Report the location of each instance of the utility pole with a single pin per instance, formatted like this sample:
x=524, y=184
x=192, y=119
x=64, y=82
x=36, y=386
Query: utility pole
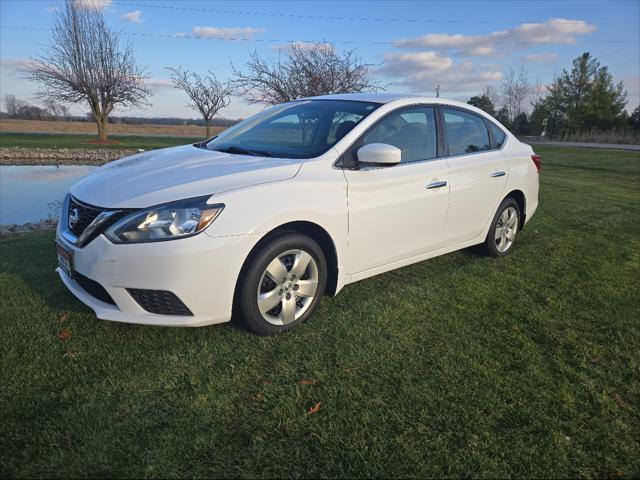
x=438, y=90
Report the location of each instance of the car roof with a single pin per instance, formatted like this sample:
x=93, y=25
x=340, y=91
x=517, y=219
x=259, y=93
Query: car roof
x=386, y=98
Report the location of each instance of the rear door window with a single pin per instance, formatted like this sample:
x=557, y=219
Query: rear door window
x=498, y=134
x=466, y=132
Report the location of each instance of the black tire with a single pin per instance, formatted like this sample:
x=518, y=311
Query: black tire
x=246, y=309
x=490, y=244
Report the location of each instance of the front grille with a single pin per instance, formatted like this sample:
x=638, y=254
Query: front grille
x=161, y=302
x=93, y=288
x=80, y=216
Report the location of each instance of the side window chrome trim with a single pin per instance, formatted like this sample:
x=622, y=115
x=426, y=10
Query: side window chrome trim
x=402, y=164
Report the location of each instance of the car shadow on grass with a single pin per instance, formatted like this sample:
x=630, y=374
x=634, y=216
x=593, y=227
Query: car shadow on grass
x=31, y=259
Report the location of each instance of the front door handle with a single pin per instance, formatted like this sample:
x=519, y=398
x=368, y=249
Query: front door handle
x=497, y=174
x=437, y=184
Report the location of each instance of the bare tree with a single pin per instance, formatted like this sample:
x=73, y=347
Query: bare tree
x=86, y=62
x=55, y=109
x=537, y=92
x=515, y=89
x=491, y=93
x=13, y=105
x=303, y=70
x=208, y=95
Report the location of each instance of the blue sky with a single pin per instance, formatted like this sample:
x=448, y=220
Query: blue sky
x=461, y=45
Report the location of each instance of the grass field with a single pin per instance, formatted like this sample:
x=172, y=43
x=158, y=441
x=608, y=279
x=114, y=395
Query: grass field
x=90, y=128
x=63, y=140
x=526, y=366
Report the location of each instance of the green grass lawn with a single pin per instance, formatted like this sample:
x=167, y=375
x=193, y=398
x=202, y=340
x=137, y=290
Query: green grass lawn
x=62, y=140
x=526, y=366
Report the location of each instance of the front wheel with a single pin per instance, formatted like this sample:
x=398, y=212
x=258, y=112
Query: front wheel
x=282, y=284
x=504, y=229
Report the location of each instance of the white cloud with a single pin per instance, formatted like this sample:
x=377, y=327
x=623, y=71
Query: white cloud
x=541, y=57
x=226, y=33
x=92, y=4
x=157, y=84
x=420, y=73
x=133, y=17
x=18, y=65
x=525, y=35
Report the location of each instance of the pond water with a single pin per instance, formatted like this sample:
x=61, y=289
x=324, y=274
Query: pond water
x=29, y=193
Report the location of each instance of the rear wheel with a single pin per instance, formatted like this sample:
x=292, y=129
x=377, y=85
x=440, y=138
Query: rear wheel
x=282, y=284
x=504, y=229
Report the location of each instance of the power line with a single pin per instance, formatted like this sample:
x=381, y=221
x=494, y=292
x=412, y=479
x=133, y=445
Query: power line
x=555, y=72
x=344, y=18
x=625, y=62
x=187, y=36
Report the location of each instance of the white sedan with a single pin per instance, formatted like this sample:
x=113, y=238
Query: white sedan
x=293, y=203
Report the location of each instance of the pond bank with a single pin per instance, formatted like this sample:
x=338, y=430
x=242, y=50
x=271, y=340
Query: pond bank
x=61, y=156
x=41, y=226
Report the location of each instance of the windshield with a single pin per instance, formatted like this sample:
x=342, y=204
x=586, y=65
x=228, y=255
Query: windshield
x=302, y=129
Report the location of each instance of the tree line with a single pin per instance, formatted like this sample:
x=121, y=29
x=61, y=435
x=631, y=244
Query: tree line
x=18, y=109
x=581, y=102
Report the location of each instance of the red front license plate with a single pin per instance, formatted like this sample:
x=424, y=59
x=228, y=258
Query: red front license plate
x=65, y=259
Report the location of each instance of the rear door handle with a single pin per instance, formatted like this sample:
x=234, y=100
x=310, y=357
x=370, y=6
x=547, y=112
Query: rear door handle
x=437, y=184
x=497, y=174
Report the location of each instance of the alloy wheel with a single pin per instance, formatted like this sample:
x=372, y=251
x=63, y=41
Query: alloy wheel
x=506, y=229
x=287, y=287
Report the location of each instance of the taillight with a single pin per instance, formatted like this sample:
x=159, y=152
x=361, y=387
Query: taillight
x=538, y=161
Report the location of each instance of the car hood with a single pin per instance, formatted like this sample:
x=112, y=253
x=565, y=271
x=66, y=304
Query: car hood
x=160, y=176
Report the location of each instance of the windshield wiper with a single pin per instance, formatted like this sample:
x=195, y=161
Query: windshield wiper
x=242, y=151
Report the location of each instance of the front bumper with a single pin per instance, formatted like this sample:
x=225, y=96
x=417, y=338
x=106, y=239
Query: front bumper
x=201, y=271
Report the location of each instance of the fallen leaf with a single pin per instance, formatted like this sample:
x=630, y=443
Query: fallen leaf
x=64, y=335
x=258, y=397
x=615, y=475
x=618, y=399
x=594, y=360
x=267, y=381
x=64, y=317
x=314, y=409
x=70, y=354
x=308, y=381
x=67, y=439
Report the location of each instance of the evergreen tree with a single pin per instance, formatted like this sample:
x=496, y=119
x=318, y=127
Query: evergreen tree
x=577, y=85
x=551, y=108
x=503, y=117
x=604, y=103
x=520, y=125
x=634, y=119
x=582, y=99
x=539, y=115
x=556, y=105
x=483, y=102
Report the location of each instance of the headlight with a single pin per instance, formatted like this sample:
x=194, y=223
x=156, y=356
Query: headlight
x=169, y=221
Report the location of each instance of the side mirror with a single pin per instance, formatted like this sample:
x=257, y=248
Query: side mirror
x=380, y=154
